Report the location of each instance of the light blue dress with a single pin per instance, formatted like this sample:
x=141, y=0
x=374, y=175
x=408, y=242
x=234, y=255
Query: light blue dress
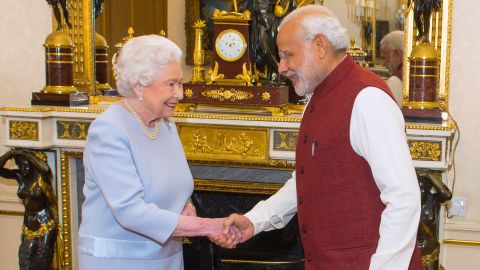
x=134, y=190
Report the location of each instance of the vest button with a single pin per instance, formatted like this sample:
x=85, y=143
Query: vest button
x=304, y=228
x=305, y=138
x=312, y=108
x=309, y=258
x=302, y=170
x=300, y=199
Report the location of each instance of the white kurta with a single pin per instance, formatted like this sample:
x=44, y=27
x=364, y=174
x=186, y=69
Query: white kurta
x=377, y=133
x=134, y=190
x=396, y=85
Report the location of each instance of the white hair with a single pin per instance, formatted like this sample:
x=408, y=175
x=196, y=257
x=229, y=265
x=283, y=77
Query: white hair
x=142, y=59
x=316, y=19
x=393, y=41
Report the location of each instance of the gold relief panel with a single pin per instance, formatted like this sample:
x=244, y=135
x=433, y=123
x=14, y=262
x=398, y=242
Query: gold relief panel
x=425, y=150
x=285, y=140
x=72, y=130
x=23, y=130
x=224, y=143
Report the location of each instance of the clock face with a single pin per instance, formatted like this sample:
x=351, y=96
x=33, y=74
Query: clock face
x=230, y=45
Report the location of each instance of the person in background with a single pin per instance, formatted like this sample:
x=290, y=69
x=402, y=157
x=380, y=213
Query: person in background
x=355, y=189
x=137, y=180
x=391, y=51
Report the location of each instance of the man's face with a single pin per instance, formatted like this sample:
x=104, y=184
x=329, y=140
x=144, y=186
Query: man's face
x=391, y=59
x=298, y=60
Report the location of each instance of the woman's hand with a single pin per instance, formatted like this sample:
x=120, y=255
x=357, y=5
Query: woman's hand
x=189, y=209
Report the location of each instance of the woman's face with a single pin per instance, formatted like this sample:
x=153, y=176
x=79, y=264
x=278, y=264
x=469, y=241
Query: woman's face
x=163, y=94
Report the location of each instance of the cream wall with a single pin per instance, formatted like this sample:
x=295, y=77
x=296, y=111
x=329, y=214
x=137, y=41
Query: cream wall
x=25, y=24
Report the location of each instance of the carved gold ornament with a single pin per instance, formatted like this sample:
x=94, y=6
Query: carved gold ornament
x=224, y=143
x=285, y=140
x=23, y=130
x=425, y=150
x=72, y=130
x=266, y=96
x=229, y=94
x=43, y=230
x=188, y=93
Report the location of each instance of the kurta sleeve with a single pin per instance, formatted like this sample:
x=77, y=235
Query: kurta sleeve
x=276, y=211
x=377, y=133
x=109, y=163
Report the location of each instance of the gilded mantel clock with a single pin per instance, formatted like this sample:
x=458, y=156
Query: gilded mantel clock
x=231, y=55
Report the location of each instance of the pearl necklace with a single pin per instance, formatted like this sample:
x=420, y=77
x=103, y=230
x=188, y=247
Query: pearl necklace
x=152, y=135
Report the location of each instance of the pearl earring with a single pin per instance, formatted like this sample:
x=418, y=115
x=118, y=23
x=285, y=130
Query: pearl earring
x=140, y=98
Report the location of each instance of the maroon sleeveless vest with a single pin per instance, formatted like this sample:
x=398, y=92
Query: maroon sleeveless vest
x=339, y=206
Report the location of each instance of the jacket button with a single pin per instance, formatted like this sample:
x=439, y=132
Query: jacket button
x=312, y=108
x=300, y=199
x=305, y=138
x=302, y=170
x=309, y=258
x=304, y=228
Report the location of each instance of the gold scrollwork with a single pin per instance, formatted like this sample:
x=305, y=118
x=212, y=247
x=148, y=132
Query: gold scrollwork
x=425, y=150
x=229, y=94
x=72, y=130
x=284, y=140
x=224, y=143
x=23, y=130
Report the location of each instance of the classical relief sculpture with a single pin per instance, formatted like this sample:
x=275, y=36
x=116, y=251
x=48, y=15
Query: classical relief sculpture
x=39, y=231
x=56, y=11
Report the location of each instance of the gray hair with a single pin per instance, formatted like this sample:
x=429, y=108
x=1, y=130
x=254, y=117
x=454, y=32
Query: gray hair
x=316, y=19
x=393, y=41
x=142, y=59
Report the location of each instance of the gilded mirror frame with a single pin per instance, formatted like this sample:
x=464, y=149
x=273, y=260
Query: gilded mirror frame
x=440, y=33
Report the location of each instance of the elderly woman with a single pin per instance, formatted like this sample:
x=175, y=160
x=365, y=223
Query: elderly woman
x=137, y=180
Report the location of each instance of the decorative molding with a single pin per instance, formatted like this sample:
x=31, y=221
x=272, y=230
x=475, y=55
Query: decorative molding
x=23, y=130
x=456, y=242
x=425, y=150
x=236, y=187
x=285, y=140
x=65, y=203
x=72, y=130
x=224, y=143
x=11, y=213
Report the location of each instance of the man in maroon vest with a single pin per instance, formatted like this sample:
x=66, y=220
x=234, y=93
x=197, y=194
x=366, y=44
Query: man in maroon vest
x=391, y=51
x=354, y=188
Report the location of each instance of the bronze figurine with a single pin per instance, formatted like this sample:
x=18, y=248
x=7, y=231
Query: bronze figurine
x=39, y=231
x=422, y=10
x=56, y=11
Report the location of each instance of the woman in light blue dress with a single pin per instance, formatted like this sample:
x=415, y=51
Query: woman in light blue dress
x=137, y=180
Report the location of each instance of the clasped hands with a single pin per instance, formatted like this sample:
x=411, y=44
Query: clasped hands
x=236, y=229
x=226, y=232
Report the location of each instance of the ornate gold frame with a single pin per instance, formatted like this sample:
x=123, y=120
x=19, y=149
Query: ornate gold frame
x=441, y=39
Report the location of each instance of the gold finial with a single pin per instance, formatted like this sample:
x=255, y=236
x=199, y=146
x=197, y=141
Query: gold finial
x=162, y=33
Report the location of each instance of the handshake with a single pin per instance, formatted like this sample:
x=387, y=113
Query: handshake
x=232, y=230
